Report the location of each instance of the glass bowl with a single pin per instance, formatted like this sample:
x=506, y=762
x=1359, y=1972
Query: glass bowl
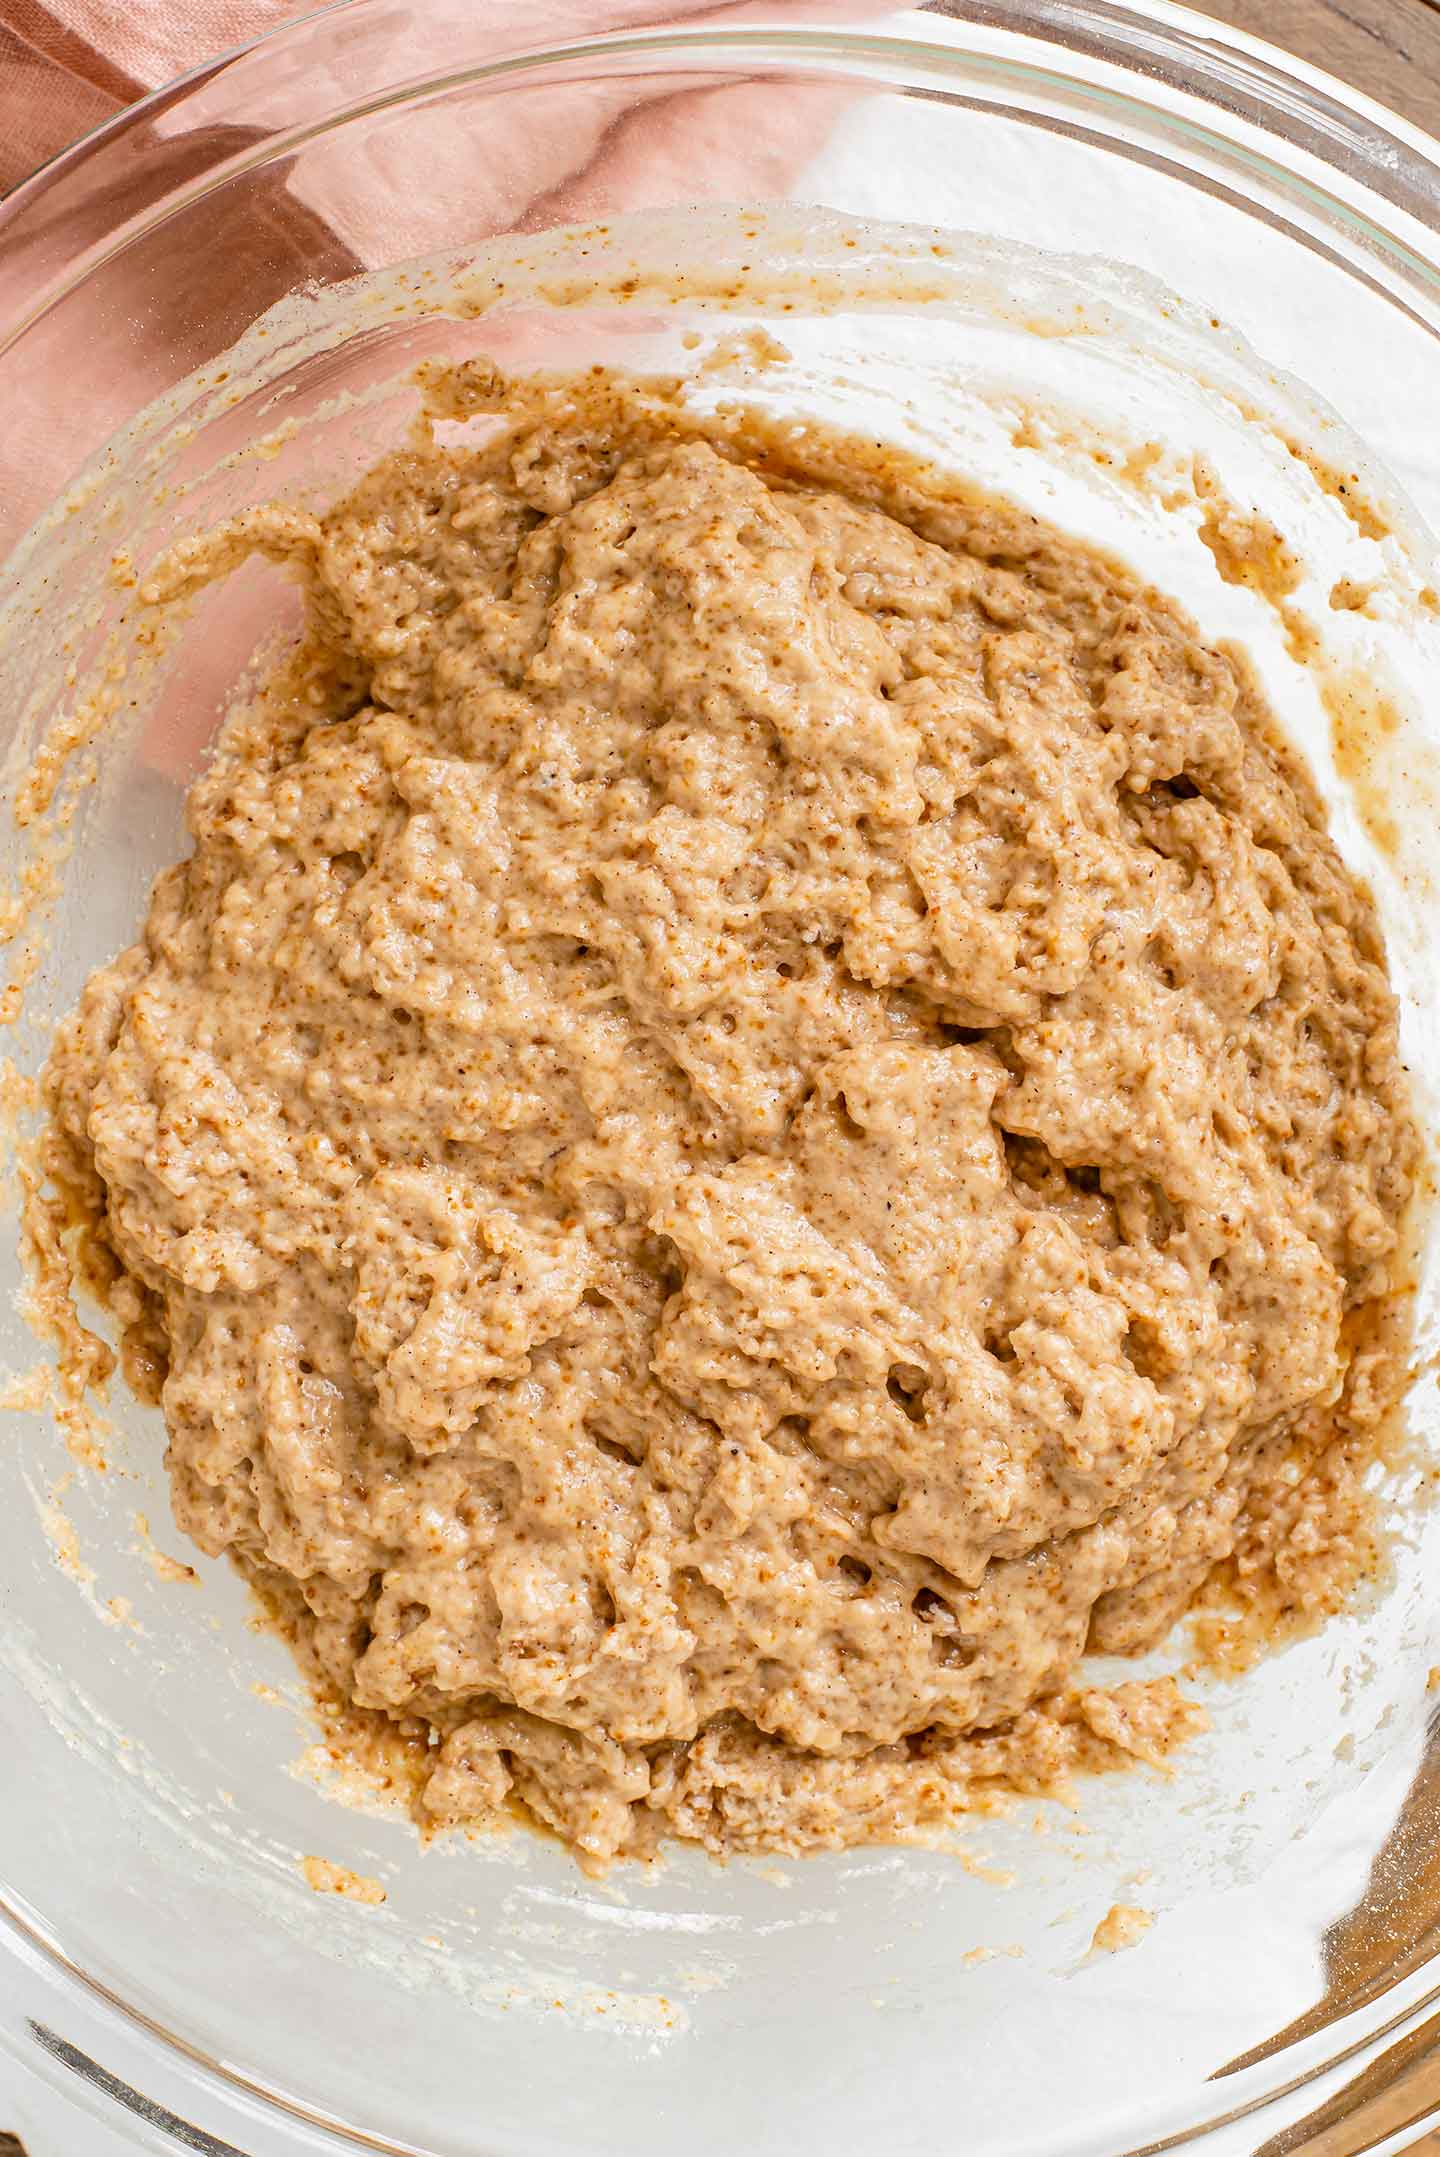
x=1078, y=226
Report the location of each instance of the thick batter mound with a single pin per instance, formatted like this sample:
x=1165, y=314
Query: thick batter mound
x=763, y=1111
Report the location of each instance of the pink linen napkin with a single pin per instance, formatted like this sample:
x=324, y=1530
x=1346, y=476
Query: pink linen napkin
x=584, y=150
x=68, y=65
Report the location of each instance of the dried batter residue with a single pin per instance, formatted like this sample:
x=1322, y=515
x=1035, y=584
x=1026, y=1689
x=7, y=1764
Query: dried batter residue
x=28, y=1393
x=328, y=1879
x=1122, y=1926
x=63, y=1540
x=976, y=1957
x=174, y=1571
x=1370, y=754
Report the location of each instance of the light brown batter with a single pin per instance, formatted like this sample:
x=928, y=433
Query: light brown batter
x=763, y=1111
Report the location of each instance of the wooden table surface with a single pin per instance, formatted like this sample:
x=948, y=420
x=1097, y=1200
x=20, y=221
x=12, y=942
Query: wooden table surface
x=1391, y=50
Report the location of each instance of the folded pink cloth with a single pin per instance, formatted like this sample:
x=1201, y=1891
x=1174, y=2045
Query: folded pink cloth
x=540, y=155
x=67, y=65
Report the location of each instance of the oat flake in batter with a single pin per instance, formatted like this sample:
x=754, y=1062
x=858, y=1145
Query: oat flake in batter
x=762, y=1111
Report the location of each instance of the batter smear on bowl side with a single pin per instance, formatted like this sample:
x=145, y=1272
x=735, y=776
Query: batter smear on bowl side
x=763, y=1111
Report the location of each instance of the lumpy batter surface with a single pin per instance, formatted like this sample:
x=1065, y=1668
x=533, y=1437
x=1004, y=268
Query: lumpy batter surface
x=763, y=1110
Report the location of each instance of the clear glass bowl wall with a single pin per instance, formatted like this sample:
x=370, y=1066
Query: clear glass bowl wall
x=153, y=1912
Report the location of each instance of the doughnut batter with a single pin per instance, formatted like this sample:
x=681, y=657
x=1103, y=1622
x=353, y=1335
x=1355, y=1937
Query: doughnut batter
x=763, y=1110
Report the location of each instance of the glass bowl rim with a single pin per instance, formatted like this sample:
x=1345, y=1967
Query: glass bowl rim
x=1192, y=54
x=1212, y=63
